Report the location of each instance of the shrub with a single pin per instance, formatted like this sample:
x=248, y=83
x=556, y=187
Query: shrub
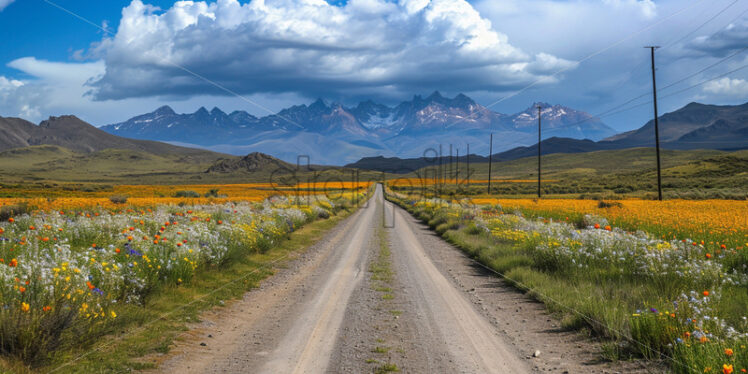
x=8, y=211
x=608, y=204
x=213, y=192
x=186, y=193
x=118, y=199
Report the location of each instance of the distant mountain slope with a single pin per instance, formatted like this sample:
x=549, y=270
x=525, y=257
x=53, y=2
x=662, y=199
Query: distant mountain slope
x=548, y=146
x=693, y=126
x=72, y=133
x=335, y=134
x=251, y=162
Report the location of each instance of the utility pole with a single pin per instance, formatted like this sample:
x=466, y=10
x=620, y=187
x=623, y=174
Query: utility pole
x=441, y=171
x=490, y=157
x=657, y=124
x=451, y=165
x=457, y=170
x=539, y=115
x=468, y=165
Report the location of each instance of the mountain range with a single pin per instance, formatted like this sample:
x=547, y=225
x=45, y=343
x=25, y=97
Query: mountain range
x=336, y=134
x=695, y=126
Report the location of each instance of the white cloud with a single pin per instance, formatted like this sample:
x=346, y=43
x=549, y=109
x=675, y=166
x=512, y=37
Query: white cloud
x=366, y=47
x=5, y=3
x=737, y=88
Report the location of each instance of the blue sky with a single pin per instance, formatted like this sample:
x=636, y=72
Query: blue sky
x=276, y=53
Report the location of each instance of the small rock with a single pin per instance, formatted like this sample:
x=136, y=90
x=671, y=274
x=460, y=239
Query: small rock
x=203, y=344
x=536, y=354
x=210, y=336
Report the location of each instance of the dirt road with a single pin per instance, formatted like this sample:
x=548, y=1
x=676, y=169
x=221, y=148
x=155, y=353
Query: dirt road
x=367, y=299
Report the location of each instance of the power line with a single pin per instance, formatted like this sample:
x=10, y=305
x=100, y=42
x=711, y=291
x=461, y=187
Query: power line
x=706, y=22
x=612, y=111
x=674, y=42
x=589, y=56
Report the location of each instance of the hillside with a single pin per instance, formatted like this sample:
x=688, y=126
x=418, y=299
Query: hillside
x=693, y=126
x=74, y=134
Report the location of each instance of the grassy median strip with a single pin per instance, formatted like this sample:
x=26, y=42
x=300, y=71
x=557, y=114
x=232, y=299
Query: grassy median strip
x=382, y=276
x=151, y=329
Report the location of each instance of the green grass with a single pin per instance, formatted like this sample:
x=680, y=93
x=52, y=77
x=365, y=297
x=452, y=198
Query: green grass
x=387, y=368
x=141, y=331
x=45, y=165
x=696, y=174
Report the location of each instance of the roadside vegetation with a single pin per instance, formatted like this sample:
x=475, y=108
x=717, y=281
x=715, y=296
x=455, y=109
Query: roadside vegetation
x=70, y=278
x=669, y=297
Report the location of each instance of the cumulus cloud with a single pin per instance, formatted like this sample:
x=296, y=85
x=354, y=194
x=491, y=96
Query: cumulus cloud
x=367, y=47
x=730, y=87
x=720, y=44
x=4, y=3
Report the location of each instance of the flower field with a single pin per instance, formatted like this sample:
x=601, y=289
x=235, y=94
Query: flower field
x=715, y=222
x=68, y=274
x=671, y=298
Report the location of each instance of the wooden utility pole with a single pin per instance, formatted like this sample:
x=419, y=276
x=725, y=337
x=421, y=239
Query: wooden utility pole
x=539, y=115
x=457, y=170
x=468, y=165
x=657, y=124
x=441, y=170
x=490, y=157
x=451, y=164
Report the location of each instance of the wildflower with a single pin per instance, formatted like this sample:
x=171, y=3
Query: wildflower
x=25, y=307
x=705, y=293
x=11, y=220
x=727, y=369
x=13, y=263
x=728, y=352
x=47, y=308
x=597, y=225
x=21, y=289
x=113, y=314
x=608, y=228
x=90, y=285
x=708, y=255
